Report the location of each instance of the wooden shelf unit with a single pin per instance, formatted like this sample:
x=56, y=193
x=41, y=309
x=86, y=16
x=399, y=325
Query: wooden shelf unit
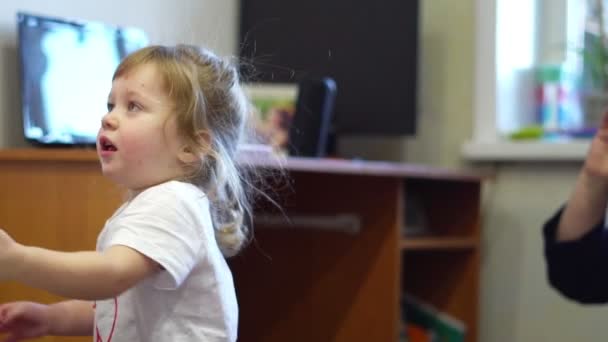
x=295, y=283
x=443, y=268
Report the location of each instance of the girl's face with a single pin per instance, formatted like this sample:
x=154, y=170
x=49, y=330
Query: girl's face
x=138, y=144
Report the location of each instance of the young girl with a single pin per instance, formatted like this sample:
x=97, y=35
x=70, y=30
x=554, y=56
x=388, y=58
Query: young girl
x=175, y=118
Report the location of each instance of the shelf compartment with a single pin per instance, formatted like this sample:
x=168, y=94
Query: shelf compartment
x=444, y=208
x=447, y=281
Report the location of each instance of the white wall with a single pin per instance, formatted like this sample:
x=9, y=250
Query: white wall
x=517, y=303
x=212, y=23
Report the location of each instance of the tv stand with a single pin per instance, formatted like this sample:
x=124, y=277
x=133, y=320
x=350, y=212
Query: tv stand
x=335, y=273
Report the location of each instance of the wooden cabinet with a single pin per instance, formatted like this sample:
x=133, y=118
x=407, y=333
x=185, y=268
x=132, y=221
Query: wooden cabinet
x=331, y=266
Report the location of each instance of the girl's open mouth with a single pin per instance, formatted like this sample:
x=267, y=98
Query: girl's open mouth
x=106, y=145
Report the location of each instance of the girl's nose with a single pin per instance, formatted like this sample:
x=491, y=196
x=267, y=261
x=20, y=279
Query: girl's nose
x=109, y=122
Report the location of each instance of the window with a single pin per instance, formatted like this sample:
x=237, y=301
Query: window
x=513, y=37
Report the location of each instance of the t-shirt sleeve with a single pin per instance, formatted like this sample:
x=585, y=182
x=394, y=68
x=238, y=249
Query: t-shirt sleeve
x=577, y=268
x=162, y=225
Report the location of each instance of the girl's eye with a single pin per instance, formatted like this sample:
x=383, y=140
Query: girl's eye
x=133, y=106
x=110, y=106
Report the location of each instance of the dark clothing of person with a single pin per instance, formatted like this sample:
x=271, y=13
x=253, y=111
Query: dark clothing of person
x=578, y=269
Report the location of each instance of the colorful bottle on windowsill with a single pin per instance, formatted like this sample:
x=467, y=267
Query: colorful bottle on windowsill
x=557, y=104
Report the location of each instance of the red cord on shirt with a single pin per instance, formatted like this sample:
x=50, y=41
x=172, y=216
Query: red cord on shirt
x=99, y=339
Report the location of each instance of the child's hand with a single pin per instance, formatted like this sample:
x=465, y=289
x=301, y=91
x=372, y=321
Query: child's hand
x=9, y=255
x=596, y=163
x=24, y=320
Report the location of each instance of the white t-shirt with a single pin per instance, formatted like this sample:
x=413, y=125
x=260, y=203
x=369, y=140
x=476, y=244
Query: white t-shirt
x=193, y=297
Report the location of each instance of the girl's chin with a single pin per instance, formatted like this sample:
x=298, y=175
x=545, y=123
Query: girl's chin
x=110, y=172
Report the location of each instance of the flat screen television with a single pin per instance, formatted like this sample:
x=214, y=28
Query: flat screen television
x=369, y=48
x=66, y=71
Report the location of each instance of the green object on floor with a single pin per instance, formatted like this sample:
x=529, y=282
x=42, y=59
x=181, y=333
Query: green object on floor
x=441, y=326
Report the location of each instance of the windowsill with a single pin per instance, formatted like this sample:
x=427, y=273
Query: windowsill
x=572, y=150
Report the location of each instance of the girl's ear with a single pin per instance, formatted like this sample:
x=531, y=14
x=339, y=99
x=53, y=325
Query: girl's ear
x=189, y=154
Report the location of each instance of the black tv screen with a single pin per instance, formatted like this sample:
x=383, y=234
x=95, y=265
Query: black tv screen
x=370, y=49
x=66, y=71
